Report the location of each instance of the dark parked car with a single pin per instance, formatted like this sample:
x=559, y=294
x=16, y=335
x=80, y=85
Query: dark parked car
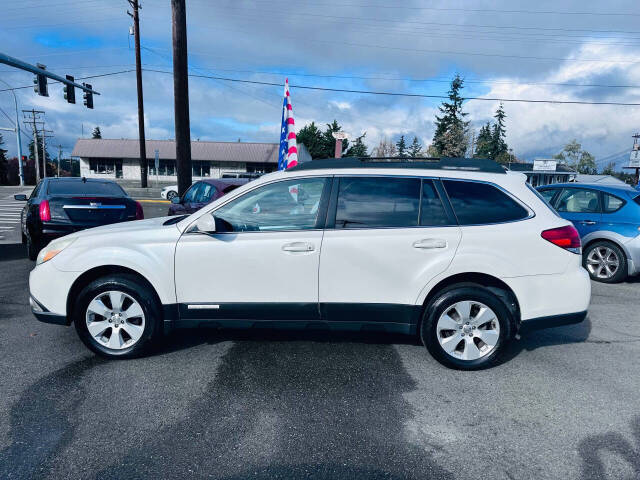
x=203, y=192
x=59, y=206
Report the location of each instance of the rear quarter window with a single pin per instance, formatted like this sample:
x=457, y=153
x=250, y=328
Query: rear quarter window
x=611, y=203
x=477, y=203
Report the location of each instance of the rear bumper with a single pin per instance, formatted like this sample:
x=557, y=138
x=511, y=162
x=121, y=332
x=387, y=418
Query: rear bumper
x=551, y=321
x=633, y=255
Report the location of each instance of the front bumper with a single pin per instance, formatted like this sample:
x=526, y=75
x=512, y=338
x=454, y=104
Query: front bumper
x=44, y=315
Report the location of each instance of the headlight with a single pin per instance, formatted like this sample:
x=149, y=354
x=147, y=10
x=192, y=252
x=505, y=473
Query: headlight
x=53, y=249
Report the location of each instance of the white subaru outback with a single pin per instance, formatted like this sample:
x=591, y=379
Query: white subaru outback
x=457, y=252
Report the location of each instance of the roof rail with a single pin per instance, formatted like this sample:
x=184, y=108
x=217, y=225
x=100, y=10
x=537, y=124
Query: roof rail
x=444, y=163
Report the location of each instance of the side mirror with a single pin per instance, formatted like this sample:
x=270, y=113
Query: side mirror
x=20, y=197
x=205, y=224
x=176, y=199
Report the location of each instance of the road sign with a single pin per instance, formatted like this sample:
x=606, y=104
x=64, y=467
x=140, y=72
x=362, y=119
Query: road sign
x=545, y=165
x=634, y=159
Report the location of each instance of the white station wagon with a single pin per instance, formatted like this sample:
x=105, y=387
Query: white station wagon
x=457, y=252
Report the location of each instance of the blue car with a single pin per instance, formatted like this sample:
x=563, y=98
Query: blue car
x=607, y=218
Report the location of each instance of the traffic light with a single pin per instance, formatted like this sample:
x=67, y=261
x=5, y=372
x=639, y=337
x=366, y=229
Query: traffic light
x=88, y=96
x=40, y=82
x=70, y=91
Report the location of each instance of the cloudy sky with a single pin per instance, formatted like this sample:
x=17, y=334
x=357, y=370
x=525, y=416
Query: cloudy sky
x=545, y=50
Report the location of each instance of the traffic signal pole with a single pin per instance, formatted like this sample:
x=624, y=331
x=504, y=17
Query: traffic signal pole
x=181, y=95
x=143, y=148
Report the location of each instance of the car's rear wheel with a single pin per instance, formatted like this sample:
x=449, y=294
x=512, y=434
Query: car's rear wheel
x=466, y=327
x=171, y=195
x=33, y=248
x=118, y=316
x=605, y=262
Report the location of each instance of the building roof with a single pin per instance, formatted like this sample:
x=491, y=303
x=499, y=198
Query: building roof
x=601, y=179
x=528, y=168
x=211, y=151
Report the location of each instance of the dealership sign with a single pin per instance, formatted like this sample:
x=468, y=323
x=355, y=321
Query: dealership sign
x=545, y=165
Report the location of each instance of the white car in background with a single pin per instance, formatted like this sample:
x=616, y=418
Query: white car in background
x=456, y=252
x=169, y=193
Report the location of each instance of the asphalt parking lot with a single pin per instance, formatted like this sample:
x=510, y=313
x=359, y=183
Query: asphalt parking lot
x=263, y=404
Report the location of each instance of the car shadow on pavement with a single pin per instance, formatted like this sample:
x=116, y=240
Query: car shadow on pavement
x=593, y=447
x=40, y=425
x=280, y=406
x=578, y=333
x=12, y=251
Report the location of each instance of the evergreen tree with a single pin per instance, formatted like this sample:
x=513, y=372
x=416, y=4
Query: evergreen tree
x=311, y=136
x=450, y=138
x=415, y=150
x=484, y=142
x=401, y=147
x=96, y=133
x=358, y=148
x=499, y=134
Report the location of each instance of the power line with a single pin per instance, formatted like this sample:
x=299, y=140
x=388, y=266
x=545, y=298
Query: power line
x=402, y=94
x=364, y=92
x=475, y=10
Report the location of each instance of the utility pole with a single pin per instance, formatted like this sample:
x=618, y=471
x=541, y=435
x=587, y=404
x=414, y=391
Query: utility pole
x=181, y=95
x=59, y=155
x=32, y=119
x=18, y=139
x=143, y=149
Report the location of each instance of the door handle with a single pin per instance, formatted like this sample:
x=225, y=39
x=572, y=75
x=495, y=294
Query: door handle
x=430, y=243
x=298, y=247
x=587, y=222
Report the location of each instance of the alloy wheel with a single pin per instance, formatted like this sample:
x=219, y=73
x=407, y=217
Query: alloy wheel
x=115, y=320
x=602, y=262
x=468, y=330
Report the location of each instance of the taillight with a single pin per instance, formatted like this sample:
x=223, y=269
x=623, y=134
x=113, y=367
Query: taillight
x=45, y=212
x=565, y=237
x=139, y=211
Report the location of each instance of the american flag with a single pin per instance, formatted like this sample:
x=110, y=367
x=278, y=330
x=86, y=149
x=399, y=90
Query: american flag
x=288, y=154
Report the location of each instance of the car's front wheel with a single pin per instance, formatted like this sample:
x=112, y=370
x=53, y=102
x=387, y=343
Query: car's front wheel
x=605, y=262
x=466, y=327
x=118, y=316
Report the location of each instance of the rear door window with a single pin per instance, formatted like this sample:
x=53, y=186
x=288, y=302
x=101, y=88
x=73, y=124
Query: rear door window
x=365, y=202
x=432, y=212
x=578, y=200
x=477, y=203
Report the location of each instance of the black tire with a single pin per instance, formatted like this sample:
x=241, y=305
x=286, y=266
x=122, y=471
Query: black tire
x=24, y=239
x=622, y=270
x=171, y=195
x=138, y=290
x=33, y=248
x=445, y=300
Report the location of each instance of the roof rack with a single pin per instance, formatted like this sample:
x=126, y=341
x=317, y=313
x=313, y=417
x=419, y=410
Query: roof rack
x=444, y=163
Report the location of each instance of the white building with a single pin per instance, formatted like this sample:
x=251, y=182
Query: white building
x=119, y=159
